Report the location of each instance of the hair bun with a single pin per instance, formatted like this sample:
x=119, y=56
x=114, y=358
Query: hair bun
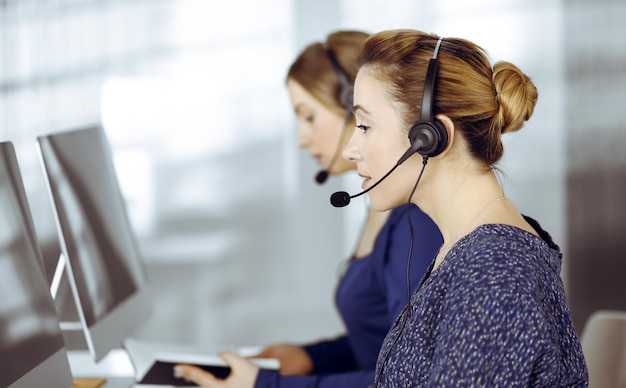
x=516, y=96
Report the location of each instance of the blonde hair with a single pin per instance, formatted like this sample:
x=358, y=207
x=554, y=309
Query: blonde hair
x=483, y=102
x=313, y=70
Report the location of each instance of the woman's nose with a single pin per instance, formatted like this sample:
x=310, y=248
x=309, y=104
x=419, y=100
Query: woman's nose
x=351, y=152
x=304, y=138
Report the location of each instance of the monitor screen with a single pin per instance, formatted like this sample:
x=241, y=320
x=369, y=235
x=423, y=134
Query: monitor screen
x=103, y=262
x=32, y=351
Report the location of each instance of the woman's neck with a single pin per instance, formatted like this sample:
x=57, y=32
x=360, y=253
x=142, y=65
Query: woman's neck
x=458, y=205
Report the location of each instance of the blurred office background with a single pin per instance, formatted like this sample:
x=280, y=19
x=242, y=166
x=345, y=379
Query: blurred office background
x=241, y=246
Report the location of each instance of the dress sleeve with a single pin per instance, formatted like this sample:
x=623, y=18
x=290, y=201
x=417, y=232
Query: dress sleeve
x=331, y=356
x=271, y=379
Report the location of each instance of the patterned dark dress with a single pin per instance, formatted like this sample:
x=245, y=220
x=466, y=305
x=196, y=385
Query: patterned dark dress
x=493, y=314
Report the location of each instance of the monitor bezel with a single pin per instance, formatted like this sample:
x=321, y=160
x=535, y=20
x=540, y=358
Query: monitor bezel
x=54, y=370
x=124, y=319
x=45, y=374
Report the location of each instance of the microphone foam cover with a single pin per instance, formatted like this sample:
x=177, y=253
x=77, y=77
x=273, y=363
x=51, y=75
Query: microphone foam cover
x=321, y=176
x=340, y=199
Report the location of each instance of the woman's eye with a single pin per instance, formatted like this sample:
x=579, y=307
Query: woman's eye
x=309, y=119
x=362, y=127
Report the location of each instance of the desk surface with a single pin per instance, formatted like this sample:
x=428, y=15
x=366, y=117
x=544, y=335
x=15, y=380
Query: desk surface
x=115, y=367
x=113, y=382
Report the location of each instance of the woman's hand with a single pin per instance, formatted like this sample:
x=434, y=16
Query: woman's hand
x=242, y=375
x=293, y=359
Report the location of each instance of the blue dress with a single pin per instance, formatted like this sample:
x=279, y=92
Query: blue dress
x=370, y=295
x=493, y=314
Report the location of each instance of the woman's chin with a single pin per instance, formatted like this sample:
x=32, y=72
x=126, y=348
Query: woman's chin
x=382, y=204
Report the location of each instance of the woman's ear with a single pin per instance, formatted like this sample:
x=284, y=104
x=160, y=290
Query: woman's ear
x=449, y=126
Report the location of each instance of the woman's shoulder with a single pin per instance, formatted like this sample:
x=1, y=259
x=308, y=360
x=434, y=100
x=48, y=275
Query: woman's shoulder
x=399, y=217
x=507, y=238
x=503, y=249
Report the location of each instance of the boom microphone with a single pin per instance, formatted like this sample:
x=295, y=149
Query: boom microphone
x=322, y=175
x=342, y=198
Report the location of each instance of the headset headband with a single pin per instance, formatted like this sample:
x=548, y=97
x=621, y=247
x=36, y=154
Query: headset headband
x=426, y=113
x=344, y=79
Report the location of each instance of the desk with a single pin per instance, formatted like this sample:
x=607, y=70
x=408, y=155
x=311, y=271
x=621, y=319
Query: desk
x=115, y=367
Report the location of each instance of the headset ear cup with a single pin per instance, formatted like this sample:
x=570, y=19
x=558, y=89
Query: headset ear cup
x=428, y=138
x=346, y=91
x=346, y=96
x=442, y=138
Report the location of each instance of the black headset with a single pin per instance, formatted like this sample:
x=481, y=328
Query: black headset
x=346, y=99
x=428, y=136
x=346, y=91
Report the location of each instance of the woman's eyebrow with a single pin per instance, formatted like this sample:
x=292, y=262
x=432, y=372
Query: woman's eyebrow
x=298, y=107
x=360, y=108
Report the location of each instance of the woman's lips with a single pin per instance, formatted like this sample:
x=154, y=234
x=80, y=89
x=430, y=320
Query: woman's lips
x=366, y=180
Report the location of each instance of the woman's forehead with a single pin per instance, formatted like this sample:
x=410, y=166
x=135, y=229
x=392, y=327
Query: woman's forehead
x=372, y=96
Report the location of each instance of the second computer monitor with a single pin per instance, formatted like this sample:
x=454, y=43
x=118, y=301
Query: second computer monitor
x=32, y=351
x=103, y=261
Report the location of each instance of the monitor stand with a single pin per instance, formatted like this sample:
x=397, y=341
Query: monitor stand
x=67, y=307
x=72, y=329
x=55, y=285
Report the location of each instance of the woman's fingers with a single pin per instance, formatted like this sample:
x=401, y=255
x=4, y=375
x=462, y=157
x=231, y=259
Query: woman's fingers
x=197, y=375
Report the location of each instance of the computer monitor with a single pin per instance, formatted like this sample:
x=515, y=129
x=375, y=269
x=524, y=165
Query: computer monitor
x=32, y=351
x=103, y=262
